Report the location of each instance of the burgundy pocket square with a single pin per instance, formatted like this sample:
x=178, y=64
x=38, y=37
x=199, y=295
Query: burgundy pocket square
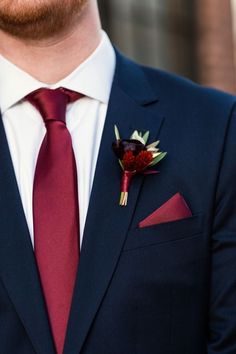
x=174, y=209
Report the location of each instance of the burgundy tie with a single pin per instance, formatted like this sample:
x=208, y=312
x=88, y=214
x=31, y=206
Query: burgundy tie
x=55, y=209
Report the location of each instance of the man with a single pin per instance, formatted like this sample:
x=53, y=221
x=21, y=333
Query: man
x=156, y=276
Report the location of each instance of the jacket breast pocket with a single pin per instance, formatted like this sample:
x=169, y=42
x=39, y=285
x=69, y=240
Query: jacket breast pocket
x=165, y=232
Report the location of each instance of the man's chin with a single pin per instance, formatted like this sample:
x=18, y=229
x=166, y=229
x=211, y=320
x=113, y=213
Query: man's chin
x=38, y=19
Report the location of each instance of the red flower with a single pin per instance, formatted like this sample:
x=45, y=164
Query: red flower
x=128, y=161
x=137, y=163
x=143, y=159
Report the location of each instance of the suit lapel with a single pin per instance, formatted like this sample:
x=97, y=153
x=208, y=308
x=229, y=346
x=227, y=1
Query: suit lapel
x=107, y=223
x=18, y=270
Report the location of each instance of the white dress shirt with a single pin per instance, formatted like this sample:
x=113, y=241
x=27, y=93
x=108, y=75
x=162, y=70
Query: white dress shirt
x=85, y=119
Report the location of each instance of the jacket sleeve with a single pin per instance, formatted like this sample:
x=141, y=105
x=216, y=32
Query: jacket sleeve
x=222, y=307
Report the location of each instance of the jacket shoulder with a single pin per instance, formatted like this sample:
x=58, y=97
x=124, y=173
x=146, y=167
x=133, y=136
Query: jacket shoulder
x=178, y=90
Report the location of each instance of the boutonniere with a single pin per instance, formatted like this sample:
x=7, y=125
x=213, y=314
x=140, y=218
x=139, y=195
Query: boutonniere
x=135, y=157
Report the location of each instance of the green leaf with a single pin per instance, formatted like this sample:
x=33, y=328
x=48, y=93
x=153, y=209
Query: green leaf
x=158, y=159
x=121, y=164
x=135, y=135
x=154, y=144
x=155, y=154
x=117, y=134
x=145, y=137
x=154, y=150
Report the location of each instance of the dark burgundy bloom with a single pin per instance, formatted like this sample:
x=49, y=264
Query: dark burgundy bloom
x=120, y=147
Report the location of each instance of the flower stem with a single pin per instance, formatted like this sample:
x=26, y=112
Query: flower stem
x=123, y=198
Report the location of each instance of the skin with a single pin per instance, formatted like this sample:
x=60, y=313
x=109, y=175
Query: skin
x=39, y=34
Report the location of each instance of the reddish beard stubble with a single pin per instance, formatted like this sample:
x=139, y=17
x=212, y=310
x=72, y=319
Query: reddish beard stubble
x=38, y=19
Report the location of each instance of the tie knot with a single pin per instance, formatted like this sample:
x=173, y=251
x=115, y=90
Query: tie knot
x=52, y=103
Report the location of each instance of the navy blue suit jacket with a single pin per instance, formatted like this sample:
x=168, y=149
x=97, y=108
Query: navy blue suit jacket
x=164, y=289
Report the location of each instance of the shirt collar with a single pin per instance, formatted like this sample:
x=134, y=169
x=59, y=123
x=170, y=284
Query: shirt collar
x=93, y=77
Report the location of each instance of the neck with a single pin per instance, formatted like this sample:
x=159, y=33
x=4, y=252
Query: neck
x=61, y=54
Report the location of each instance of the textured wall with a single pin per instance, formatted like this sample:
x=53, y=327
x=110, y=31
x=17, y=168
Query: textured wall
x=215, y=44
x=154, y=32
x=193, y=38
